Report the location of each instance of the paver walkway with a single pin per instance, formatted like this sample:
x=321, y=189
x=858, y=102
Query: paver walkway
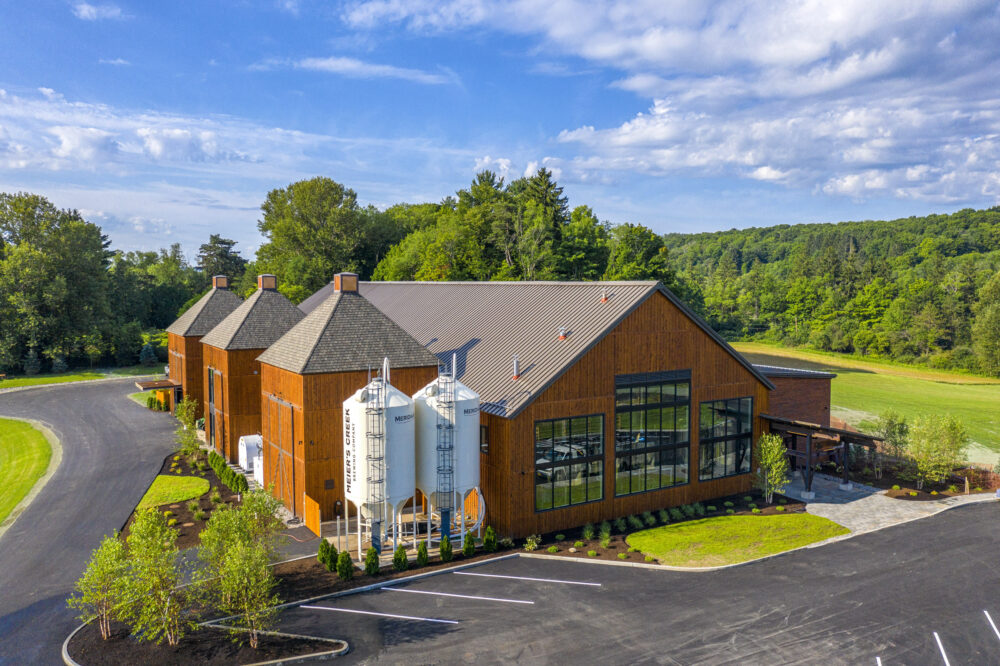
x=864, y=508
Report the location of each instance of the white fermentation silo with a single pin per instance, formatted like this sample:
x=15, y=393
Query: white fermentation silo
x=379, y=454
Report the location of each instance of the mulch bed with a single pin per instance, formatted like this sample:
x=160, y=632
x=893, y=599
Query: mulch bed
x=199, y=647
x=188, y=526
x=619, y=545
x=899, y=485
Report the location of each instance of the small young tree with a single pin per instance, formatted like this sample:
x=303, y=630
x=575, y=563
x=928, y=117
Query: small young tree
x=147, y=356
x=322, y=556
x=101, y=588
x=187, y=412
x=469, y=545
x=247, y=582
x=371, y=562
x=399, y=561
x=894, y=431
x=444, y=550
x=345, y=567
x=772, y=465
x=31, y=364
x=156, y=611
x=422, y=556
x=490, y=539
x=937, y=446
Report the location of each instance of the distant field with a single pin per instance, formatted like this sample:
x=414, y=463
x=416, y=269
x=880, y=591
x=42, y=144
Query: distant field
x=863, y=389
x=79, y=376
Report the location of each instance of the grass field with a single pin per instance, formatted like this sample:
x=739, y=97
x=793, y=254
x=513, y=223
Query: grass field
x=863, y=389
x=78, y=376
x=723, y=540
x=24, y=457
x=139, y=397
x=172, y=489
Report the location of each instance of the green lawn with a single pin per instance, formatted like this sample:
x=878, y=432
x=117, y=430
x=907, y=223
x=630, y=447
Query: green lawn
x=172, y=489
x=78, y=376
x=732, y=539
x=24, y=457
x=139, y=397
x=863, y=390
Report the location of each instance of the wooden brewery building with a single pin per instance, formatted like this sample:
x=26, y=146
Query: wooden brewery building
x=306, y=376
x=801, y=395
x=599, y=400
x=185, y=367
x=231, y=371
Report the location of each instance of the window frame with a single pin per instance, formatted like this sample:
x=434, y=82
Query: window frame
x=730, y=441
x=593, y=456
x=484, y=439
x=679, y=402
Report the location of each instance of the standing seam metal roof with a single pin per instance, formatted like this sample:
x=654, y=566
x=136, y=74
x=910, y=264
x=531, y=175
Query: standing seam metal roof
x=256, y=324
x=486, y=323
x=206, y=314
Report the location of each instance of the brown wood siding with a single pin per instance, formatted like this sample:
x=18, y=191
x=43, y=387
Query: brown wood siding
x=237, y=396
x=657, y=336
x=801, y=398
x=185, y=363
x=319, y=440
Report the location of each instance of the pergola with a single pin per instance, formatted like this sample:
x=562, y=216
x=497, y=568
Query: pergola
x=819, y=439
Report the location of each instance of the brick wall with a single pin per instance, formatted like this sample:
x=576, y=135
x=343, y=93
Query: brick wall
x=801, y=398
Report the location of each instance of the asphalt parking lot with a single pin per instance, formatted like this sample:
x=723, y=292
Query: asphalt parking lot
x=926, y=592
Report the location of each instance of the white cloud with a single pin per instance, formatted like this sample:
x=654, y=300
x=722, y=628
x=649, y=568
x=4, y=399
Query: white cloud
x=500, y=165
x=89, y=12
x=358, y=69
x=114, y=61
x=84, y=144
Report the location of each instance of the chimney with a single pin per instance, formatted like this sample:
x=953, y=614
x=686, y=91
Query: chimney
x=220, y=282
x=517, y=369
x=345, y=283
x=267, y=281
x=562, y=332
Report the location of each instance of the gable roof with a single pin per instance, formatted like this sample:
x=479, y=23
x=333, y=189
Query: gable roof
x=256, y=324
x=486, y=323
x=345, y=332
x=206, y=314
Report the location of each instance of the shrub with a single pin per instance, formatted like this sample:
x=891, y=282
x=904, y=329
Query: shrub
x=648, y=518
x=167, y=514
x=953, y=488
x=171, y=522
x=782, y=501
x=688, y=511
x=199, y=515
x=345, y=568
x=371, y=562
x=578, y=544
x=622, y=556
x=977, y=489
x=444, y=550
x=937, y=446
x=934, y=492
x=215, y=497
x=633, y=549
x=699, y=509
x=553, y=549
x=755, y=510
x=676, y=515
x=151, y=401
x=422, y=556
x=894, y=432
x=751, y=505
x=605, y=528
x=31, y=364
x=728, y=504
x=729, y=512
x=711, y=509
x=606, y=542
x=650, y=558
x=490, y=540
x=779, y=508
x=620, y=525
x=532, y=541
x=587, y=533
x=327, y=555
x=663, y=516
x=147, y=355
x=895, y=487
x=506, y=542
x=747, y=498
x=193, y=506
x=469, y=545
x=592, y=553
x=912, y=493
x=635, y=522
x=560, y=537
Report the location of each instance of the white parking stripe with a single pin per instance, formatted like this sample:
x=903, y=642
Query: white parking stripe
x=398, y=617
x=941, y=647
x=540, y=580
x=458, y=596
x=993, y=624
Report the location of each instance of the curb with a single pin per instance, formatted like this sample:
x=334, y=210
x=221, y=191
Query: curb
x=68, y=660
x=54, y=461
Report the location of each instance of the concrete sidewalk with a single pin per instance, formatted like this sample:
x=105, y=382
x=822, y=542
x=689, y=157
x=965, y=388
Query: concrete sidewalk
x=865, y=509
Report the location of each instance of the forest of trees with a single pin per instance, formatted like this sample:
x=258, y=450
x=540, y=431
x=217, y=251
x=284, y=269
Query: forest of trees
x=923, y=290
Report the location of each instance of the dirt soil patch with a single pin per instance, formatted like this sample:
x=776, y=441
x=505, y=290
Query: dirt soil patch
x=204, y=646
x=189, y=525
x=618, y=549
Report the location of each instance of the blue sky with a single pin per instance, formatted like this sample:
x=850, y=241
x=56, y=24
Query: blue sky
x=165, y=122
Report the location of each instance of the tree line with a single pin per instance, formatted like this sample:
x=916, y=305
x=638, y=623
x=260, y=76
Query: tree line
x=923, y=290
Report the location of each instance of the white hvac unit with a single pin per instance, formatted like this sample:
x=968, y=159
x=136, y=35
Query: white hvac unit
x=258, y=469
x=250, y=447
x=379, y=454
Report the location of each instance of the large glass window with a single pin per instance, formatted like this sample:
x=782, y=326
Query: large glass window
x=651, y=435
x=725, y=429
x=569, y=461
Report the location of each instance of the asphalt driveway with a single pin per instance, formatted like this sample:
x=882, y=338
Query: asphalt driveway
x=112, y=449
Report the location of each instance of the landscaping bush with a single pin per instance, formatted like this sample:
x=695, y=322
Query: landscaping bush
x=782, y=501
x=345, y=568
x=506, y=542
x=663, y=515
x=676, y=514
x=553, y=549
x=444, y=550
x=592, y=553
x=711, y=509
x=699, y=509
x=779, y=508
x=171, y=522
x=371, y=561
x=650, y=558
x=490, y=540
x=587, y=533
x=934, y=492
x=620, y=525
x=469, y=545
x=633, y=549
x=648, y=518
x=578, y=544
x=912, y=493
x=151, y=401
x=399, y=560
x=606, y=542
x=199, y=515
x=937, y=446
x=895, y=487
x=31, y=364
x=747, y=498
x=688, y=511
x=167, y=514
x=604, y=528
x=422, y=556
x=755, y=510
x=951, y=489
x=532, y=541
x=193, y=506
x=730, y=512
x=622, y=556
x=327, y=555
x=634, y=522
x=751, y=505
x=728, y=504
x=147, y=356
x=560, y=537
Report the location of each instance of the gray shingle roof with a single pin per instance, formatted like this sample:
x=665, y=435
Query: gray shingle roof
x=256, y=324
x=345, y=332
x=206, y=314
x=778, y=371
x=486, y=323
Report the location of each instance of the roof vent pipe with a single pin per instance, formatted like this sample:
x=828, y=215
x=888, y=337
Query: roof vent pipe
x=604, y=295
x=562, y=332
x=517, y=368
